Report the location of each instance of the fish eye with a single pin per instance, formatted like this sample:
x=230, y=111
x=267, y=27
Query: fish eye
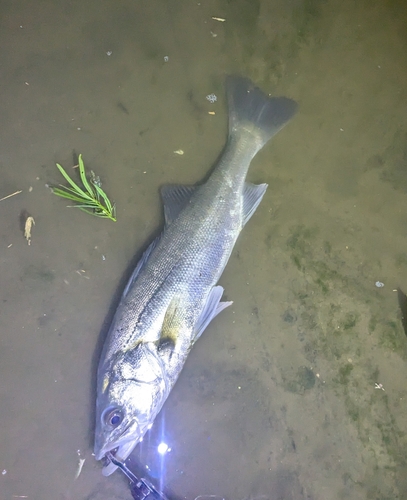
x=112, y=417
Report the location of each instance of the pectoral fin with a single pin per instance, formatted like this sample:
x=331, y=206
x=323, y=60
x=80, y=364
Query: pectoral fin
x=173, y=323
x=170, y=340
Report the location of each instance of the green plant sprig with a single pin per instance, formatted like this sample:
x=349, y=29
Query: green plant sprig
x=92, y=199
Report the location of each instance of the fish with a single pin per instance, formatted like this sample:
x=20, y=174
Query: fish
x=173, y=293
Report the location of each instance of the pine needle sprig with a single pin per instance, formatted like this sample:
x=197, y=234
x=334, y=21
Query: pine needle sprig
x=91, y=198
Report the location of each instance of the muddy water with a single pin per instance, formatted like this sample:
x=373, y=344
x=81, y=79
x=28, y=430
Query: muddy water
x=298, y=391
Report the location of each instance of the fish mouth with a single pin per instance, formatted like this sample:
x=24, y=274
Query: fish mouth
x=121, y=447
x=120, y=452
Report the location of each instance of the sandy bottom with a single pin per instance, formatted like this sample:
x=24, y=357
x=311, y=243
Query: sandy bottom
x=297, y=391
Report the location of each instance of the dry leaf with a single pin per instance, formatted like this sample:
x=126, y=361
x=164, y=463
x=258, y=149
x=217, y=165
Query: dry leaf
x=29, y=223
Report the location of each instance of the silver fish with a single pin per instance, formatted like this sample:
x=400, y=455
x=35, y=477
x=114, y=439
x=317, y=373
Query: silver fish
x=173, y=294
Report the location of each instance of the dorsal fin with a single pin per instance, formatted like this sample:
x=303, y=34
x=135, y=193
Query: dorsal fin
x=175, y=197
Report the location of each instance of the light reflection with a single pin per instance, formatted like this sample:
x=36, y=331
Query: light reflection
x=163, y=448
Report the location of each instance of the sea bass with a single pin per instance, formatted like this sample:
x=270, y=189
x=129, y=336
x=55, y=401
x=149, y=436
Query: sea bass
x=173, y=294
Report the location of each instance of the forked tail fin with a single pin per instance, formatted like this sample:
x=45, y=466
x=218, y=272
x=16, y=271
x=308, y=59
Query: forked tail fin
x=255, y=112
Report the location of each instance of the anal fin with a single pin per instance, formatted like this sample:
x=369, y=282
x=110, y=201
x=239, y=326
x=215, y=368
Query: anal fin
x=252, y=196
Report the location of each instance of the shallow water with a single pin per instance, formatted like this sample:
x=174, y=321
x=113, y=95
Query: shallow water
x=278, y=399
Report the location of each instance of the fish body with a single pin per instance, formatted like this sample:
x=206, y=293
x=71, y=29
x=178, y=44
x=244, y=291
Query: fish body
x=173, y=294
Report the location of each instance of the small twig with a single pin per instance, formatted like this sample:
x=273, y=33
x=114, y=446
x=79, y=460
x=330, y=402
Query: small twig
x=80, y=467
x=10, y=195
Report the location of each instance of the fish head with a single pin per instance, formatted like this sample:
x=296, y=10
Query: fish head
x=132, y=388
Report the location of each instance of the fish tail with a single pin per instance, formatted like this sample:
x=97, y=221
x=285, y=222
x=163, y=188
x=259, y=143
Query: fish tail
x=255, y=112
